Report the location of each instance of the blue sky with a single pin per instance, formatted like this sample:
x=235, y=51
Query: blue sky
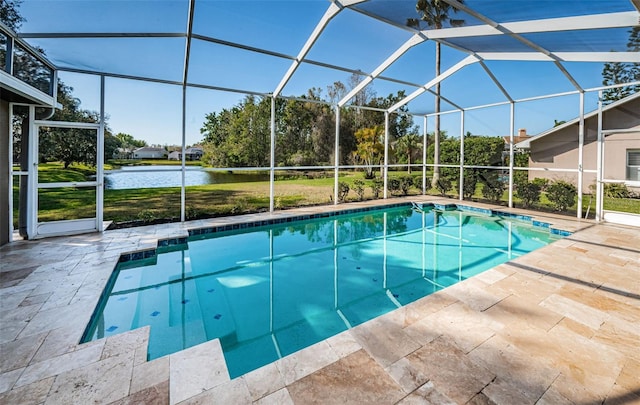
x=152, y=111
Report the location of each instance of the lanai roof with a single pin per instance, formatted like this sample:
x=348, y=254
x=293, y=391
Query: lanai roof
x=223, y=45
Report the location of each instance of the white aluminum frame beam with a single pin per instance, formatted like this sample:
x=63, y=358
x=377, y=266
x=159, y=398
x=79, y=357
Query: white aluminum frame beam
x=453, y=69
x=495, y=81
x=185, y=75
x=334, y=8
x=631, y=57
x=413, y=41
x=584, y=22
x=456, y=4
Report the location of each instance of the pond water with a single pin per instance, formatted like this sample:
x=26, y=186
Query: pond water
x=129, y=177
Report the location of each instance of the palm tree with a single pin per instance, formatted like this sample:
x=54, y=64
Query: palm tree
x=408, y=145
x=435, y=13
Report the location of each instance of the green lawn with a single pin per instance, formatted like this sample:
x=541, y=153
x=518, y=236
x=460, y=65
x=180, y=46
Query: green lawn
x=224, y=199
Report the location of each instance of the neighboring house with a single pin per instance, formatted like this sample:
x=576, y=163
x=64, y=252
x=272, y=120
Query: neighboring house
x=557, y=148
x=521, y=137
x=150, y=152
x=194, y=153
x=123, y=153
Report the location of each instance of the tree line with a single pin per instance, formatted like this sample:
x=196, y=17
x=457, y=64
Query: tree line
x=305, y=129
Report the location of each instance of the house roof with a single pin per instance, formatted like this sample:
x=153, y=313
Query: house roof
x=517, y=138
x=150, y=149
x=527, y=143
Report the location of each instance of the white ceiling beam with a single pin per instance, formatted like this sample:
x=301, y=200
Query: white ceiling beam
x=458, y=5
x=630, y=57
x=331, y=12
x=495, y=80
x=334, y=8
x=413, y=41
x=586, y=22
x=522, y=56
x=466, y=61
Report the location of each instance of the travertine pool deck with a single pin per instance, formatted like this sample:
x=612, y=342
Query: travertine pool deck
x=560, y=325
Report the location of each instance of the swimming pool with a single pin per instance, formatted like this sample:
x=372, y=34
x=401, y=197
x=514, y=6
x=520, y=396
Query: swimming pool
x=267, y=291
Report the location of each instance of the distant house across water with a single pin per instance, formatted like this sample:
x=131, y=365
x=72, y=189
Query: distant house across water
x=194, y=153
x=150, y=152
x=123, y=153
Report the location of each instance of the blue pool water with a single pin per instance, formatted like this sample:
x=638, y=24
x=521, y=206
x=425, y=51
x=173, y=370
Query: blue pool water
x=269, y=291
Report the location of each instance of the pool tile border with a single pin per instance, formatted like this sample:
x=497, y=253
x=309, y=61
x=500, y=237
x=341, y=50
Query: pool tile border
x=166, y=244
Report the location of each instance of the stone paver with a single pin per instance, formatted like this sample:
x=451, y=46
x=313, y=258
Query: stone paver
x=558, y=326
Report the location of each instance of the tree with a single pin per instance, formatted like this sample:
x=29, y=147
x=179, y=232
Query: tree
x=128, y=141
x=620, y=73
x=370, y=149
x=240, y=136
x=408, y=147
x=435, y=13
x=9, y=14
x=616, y=73
x=72, y=145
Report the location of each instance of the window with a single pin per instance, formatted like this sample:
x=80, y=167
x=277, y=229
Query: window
x=633, y=164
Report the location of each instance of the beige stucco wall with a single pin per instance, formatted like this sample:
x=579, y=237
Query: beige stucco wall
x=4, y=172
x=560, y=149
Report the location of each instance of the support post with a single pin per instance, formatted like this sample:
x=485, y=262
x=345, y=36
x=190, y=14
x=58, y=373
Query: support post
x=512, y=124
x=183, y=163
x=272, y=160
x=599, y=175
x=336, y=158
x=580, y=155
x=461, y=181
x=32, y=175
x=100, y=161
x=386, y=154
x=424, y=155
x=26, y=139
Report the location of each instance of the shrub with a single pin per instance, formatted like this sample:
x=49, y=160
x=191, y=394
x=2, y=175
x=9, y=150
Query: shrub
x=616, y=190
x=193, y=213
x=241, y=205
x=529, y=193
x=469, y=186
x=343, y=191
x=417, y=182
x=358, y=187
x=493, y=190
x=406, y=182
x=393, y=185
x=146, y=216
x=542, y=183
x=376, y=187
x=369, y=174
x=561, y=194
x=443, y=185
